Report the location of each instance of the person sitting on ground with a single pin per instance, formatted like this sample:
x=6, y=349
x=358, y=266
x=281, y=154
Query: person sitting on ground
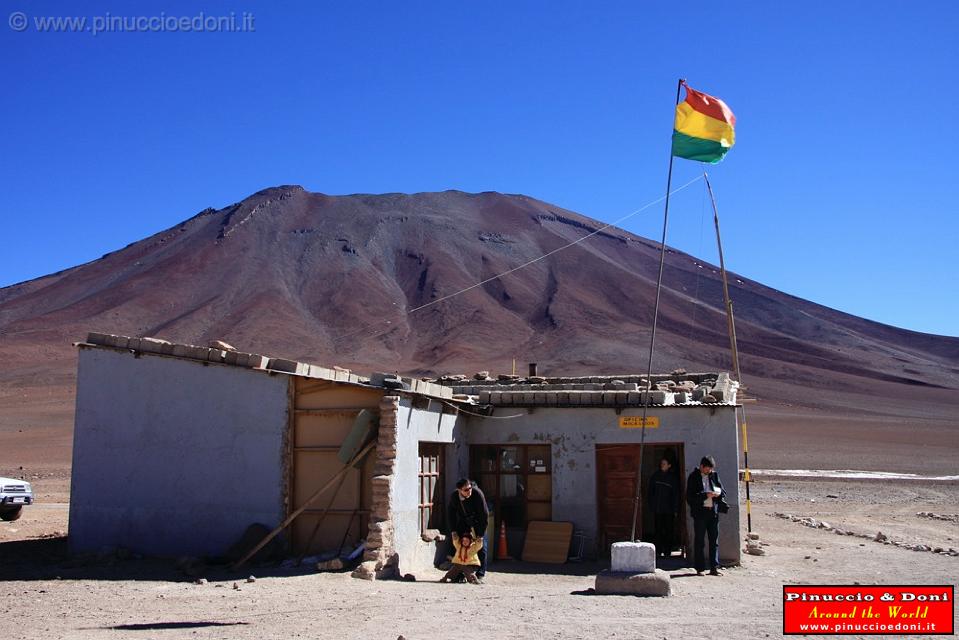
x=466, y=559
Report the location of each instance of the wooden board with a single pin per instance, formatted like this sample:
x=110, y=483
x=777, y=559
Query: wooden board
x=547, y=542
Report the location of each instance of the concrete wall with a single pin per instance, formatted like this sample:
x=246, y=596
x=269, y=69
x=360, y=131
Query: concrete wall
x=174, y=457
x=417, y=421
x=574, y=434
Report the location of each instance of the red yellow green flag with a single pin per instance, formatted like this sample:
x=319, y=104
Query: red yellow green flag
x=704, y=128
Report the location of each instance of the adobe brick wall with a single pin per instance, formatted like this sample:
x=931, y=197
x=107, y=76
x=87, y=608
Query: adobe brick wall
x=379, y=560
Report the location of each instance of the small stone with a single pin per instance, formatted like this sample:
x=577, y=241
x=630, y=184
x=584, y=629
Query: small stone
x=830, y=495
x=755, y=550
x=880, y=537
x=752, y=536
x=200, y=581
x=330, y=565
x=236, y=587
x=251, y=579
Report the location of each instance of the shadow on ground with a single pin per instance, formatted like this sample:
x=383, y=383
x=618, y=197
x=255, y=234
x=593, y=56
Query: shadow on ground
x=159, y=626
x=48, y=559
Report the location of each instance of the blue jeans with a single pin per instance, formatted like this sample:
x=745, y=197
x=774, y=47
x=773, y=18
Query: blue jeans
x=705, y=525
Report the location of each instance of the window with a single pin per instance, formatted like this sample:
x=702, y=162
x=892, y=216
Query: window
x=517, y=481
x=431, y=504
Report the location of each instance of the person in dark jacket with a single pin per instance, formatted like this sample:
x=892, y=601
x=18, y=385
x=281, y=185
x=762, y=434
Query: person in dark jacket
x=467, y=511
x=704, y=495
x=664, y=505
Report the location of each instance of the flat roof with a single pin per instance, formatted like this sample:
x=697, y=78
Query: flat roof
x=232, y=357
x=676, y=389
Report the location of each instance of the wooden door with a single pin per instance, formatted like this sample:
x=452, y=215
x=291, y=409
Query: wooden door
x=616, y=468
x=616, y=488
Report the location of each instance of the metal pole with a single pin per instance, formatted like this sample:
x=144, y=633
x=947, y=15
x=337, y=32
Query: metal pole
x=731, y=324
x=652, y=338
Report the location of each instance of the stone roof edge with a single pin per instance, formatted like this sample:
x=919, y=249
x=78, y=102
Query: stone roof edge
x=258, y=362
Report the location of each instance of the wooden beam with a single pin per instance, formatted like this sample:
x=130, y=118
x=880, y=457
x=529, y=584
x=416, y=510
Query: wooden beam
x=283, y=525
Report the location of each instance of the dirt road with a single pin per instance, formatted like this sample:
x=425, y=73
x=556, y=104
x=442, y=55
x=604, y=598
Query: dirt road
x=45, y=595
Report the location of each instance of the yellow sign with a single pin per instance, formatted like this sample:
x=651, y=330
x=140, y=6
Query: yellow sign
x=636, y=422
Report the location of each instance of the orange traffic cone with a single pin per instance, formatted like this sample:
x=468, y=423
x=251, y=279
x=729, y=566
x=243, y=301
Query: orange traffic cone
x=501, y=551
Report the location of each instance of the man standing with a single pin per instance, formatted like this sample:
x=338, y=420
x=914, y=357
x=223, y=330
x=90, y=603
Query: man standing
x=704, y=495
x=664, y=504
x=467, y=514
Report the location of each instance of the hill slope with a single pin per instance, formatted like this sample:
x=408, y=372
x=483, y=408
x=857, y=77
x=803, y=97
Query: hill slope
x=331, y=279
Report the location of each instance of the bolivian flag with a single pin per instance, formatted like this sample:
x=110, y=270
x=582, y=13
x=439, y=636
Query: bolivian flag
x=704, y=128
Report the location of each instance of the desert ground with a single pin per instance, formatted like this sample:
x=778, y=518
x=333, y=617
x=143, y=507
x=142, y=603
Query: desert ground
x=46, y=595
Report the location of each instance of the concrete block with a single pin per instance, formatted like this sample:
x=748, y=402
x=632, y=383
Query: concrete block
x=656, y=583
x=134, y=343
x=181, y=350
x=98, y=338
x=232, y=357
x=484, y=397
x=284, y=365
x=255, y=361
x=633, y=397
x=153, y=345
x=216, y=355
x=657, y=397
x=119, y=342
x=680, y=397
x=200, y=353
x=496, y=397
x=633, y=557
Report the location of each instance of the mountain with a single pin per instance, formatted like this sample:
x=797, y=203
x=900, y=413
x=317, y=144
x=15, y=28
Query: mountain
x=331, y=279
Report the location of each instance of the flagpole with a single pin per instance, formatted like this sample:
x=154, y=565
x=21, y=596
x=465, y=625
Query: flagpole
x=734, y=347
x=652, y=336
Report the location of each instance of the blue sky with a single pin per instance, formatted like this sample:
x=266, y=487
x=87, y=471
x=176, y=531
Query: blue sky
x=841, y=187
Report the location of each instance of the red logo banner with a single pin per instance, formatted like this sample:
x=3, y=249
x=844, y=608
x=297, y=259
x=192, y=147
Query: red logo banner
x=868, y=610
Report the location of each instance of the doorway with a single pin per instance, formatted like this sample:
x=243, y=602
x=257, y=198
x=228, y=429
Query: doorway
x=616, y=468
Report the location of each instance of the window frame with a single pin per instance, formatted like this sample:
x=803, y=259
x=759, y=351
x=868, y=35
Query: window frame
x=479, y=455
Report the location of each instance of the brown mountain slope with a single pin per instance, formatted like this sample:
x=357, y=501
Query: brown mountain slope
x=331, y=279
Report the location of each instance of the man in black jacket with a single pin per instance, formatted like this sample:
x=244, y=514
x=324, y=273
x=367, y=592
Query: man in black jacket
x=664, y=504
x=704, y=494
x=467, y=510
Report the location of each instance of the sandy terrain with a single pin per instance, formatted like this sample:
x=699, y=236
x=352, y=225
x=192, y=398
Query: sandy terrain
x=50, y=596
